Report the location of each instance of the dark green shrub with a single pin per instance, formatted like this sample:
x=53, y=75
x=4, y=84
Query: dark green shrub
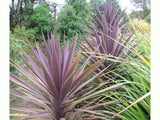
x=22, y=32
x=68, y=22
x=19, y=44
x=41, y=20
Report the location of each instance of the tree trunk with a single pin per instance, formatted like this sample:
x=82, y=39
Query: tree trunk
x=144, y=8
x=55, y=13
x=12, y=5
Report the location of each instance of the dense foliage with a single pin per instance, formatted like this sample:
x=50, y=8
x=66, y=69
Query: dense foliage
x=20, y=13
x=22, y=32
x=68, y=23
x=29, y=19
x=81, y=7
x=69, y=18
x=41, y=20
x=19, y=44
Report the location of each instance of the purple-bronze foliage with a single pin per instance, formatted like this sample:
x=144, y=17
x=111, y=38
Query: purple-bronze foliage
x=59, y=83
x=105, y=38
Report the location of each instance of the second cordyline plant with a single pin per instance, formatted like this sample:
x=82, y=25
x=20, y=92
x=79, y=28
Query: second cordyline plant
x=109, y=37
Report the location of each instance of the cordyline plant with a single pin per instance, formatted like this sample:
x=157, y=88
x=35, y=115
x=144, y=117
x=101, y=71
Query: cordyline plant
x=105, y=36
x=60, y=86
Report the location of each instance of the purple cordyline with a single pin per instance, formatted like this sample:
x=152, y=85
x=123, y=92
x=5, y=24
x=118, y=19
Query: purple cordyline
x=104, y=37
x=59, y=83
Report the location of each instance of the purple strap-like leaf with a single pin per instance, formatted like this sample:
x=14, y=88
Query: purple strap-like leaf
x=71, y=54
x=37, y=115
x=34, y=52
x=29, y=98
x=32, y=78
x=26, y=108
x=65, y=55
x=35, y=69
x=27, y=87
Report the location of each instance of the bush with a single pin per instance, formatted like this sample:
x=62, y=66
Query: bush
x=41, y=20
x=148, y=18
x=68, y=22
x=19, y=44
x=26, y=15
x=22, y=32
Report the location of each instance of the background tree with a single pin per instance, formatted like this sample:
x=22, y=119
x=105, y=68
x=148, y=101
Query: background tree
x=67, y=22
x=15, y=10
x=41, y=20
x=144, y=9
x=53, y=10
x=81, y=7
x=27, y=12
x=20, y=12
x=69, y=18
x=99, y=3
x=142, y=4
x=28, y=17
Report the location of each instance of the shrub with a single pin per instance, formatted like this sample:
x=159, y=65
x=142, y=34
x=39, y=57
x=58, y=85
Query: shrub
x=22, y=32
x=19, y=44
x=68, y=22
x=41, y=20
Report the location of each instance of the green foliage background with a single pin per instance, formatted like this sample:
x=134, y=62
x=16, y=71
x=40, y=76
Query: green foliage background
x=41, y=20
x=70, y=16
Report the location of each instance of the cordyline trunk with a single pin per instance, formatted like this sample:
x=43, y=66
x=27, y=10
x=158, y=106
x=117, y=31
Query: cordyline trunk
x=60, y=112
x=59, y=109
